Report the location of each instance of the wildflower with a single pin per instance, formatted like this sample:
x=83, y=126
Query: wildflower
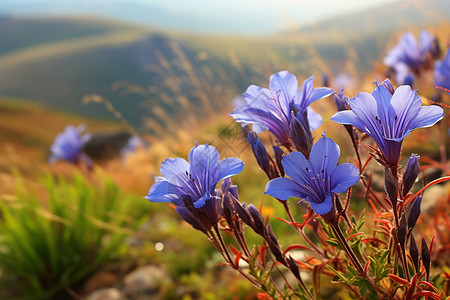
x=317, y=180
x=69, y=145
x=191, y=186
x=271, y=109
x=341, y=101
x=442, y=72
x=409, y=55
x=132, y=145
x=389, y=118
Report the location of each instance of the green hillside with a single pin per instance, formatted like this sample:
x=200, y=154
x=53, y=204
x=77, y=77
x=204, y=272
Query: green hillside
x=17, y=33
x=152, y=78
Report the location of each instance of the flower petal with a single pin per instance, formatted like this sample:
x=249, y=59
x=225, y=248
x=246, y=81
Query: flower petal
x=256, y=96
x=174, y=171
x=427, y=116
x=305, y=93
x=283, y=188
x=314, y=119
x=406, y=104
x=229, y=167
x=204, y=160
x=347, y=117
x=324, y=155
x=319, y=93
x=384, y=108
x=164, y=191
x=295, y=165
x=202, y=201
x=287, y=84
x=343, y=177
x=321, y=208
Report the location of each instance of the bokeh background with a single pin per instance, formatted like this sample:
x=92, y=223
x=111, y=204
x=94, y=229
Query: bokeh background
x=168, y=72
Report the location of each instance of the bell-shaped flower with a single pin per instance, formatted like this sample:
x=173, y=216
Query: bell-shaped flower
x=192, y=185
x=442, y=72
x=317, y=180
x=389, y=118
x=270, y=109
x=410, y=53
x=69, y=145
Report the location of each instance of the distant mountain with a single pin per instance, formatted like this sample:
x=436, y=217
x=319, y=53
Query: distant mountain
x=387, y=18
x=154, y=77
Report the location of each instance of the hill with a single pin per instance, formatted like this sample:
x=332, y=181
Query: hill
x=151, y=78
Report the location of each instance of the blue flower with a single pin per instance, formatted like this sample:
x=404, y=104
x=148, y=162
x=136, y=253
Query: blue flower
x=132, y=145
x=442, y=72
x=192, y=186
x=410, y=55
x=69, y=144
x=270, y=109
x=317, y=180
x=411, y=52
x=388, y=118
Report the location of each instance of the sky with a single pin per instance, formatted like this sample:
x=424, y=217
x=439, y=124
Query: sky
x=204, y=16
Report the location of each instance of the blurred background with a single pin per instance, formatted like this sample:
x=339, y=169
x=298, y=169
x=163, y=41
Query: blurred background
x=167, y=72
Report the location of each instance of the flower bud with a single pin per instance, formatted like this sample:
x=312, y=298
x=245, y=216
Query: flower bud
x=426, y=260
x=301, y=135
x=390, y=185
x=401, y=232
x=191, y=219
x=278, y=157
x=341, y=101
x=388, y=85
x=411, y=173
x=260, y=153
x=414, y=252
x=294, y=268
x=414, y=213
x=258, y=220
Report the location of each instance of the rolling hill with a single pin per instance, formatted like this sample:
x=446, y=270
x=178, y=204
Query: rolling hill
x=156, y=79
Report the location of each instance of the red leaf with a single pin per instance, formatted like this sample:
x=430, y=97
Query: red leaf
x=356, y=234
x=426, y=294
x=411, y=289
x=428, y=185
x=237, y=258
x=234, y=250
x=398, y=279
x=292, y=247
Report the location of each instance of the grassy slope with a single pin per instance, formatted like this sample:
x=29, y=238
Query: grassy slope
x=27, y=130
x=35, y=31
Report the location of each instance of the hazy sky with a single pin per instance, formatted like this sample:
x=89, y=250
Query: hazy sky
x=226, y=16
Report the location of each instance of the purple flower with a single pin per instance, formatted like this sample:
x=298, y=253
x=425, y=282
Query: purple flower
x=341, y=101
x=69, y=144
x=192, y=186
x=132, y=145
x=389, y=118
x=270, y=109
x=442, y=72
x=317, y=180
x=344, y=81
x=411, y=52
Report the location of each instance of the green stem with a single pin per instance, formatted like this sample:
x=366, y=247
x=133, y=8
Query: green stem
x=337, y=231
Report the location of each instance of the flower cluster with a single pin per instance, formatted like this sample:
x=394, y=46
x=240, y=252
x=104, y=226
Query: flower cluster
x=310, y=172
x=410, y=57
x=69, y=145
x=284, y=109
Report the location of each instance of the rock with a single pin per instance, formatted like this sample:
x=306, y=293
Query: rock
x=144, y=282
x=105, y=294
x=100, y=280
